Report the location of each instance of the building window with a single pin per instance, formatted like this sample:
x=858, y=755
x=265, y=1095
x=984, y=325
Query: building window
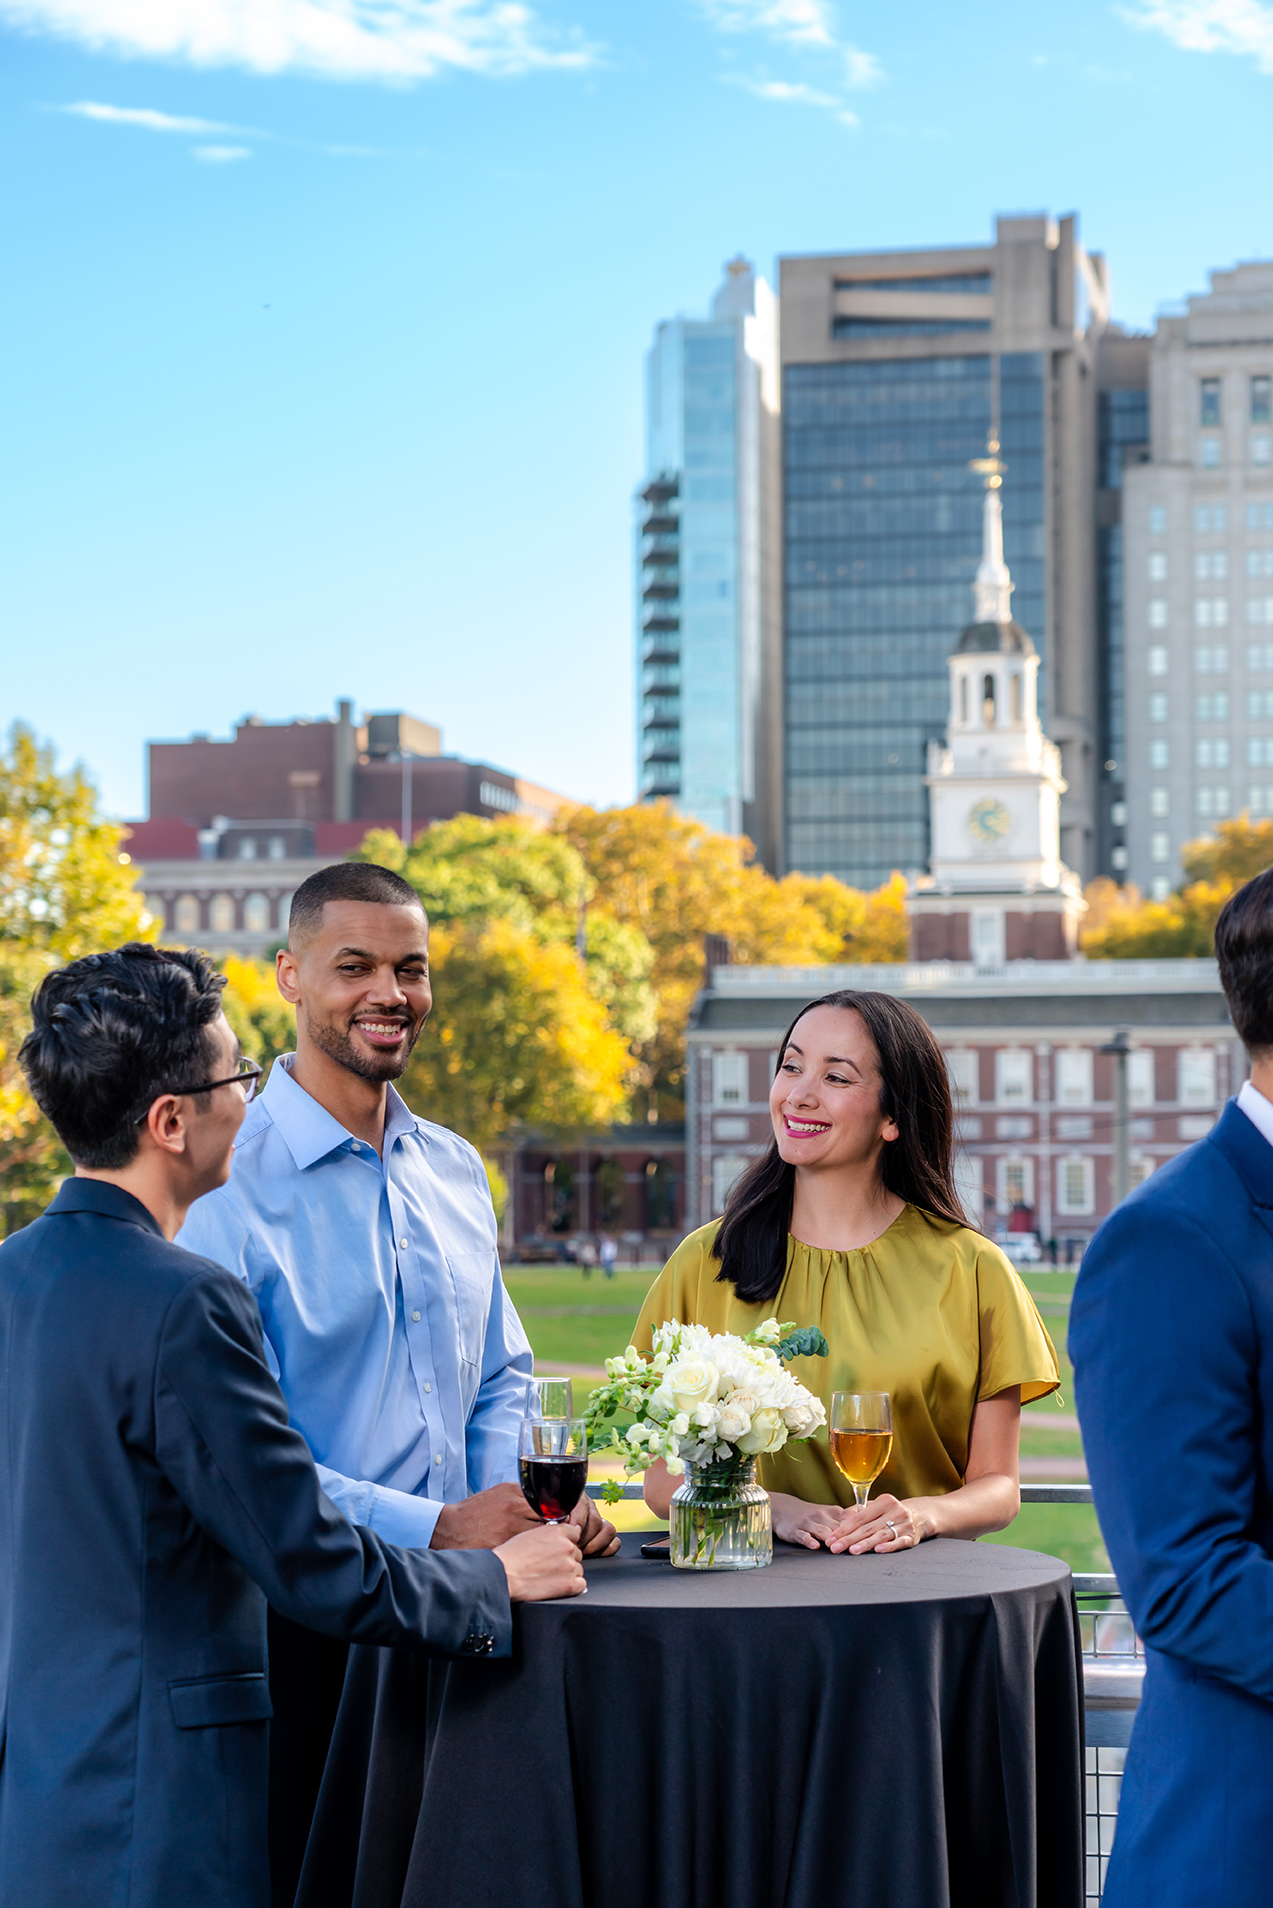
x=1158, y=754
x=256, y=914
x=1211, y=658
x=1210, y=453
x=1213, y=803
x=962, y=1065
x=1140, y=1077
x=1158, y=802
x=1158, y=566
x=1158, y=659
x=1014, y=1183
x=1014, y=1077
x=1160, y=848
x=1213, y=708
x=1259, y=656
x=1257, y=514
x=1211, y=612
x=1259, y=562
x=185, y=918
x=1259, y=609
x=1196, y=1076
x=1211, y=751
x=1261, y=448
x=1158, y=708
x=1211, y=563
x=1074, y=1076
x=1157, y=520
x=729, y=1079
x=247, y=848
x=1259, y=751
x=284, y=913
x=1158, y=612
x=221, y=914
x=1159, y=887
x=1214, y=518
x=276, y=848
x=726, y=1168
x=1075, y=1184
x=1209, y=405
x=1118, y=858
x=1262, y=400
x=1140, y=1167
x=155, y=909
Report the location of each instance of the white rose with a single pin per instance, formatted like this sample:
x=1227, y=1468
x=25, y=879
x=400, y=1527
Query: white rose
x=731, y=1422
x=767, y=1433
x=660, y=1362
x=691, y=1381
x=768, y=1331
x=680, y=1425
x=748, y=1402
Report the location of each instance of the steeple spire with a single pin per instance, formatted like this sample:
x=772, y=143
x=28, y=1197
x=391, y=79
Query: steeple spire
x=993, y=587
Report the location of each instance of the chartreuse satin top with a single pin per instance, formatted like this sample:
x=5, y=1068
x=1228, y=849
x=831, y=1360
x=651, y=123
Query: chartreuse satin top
x=930, y=1312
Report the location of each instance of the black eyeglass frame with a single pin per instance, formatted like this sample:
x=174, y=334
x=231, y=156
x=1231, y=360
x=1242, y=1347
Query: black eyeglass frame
x=247, y=1076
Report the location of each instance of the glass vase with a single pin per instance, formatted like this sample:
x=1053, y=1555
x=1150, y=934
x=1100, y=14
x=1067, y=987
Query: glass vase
x=719, y=1518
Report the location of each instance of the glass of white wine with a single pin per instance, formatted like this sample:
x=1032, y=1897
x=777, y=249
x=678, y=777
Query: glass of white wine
x=861, y=1437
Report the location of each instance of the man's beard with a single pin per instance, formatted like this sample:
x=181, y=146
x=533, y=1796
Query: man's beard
x=338, y=1046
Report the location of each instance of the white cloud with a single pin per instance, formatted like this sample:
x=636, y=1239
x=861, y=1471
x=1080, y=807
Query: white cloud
x=222, y=155
x=861, y=69
x=393, y=40
x=803, y=23
x=1244, y=27
x=143, y=117
x=794, y=93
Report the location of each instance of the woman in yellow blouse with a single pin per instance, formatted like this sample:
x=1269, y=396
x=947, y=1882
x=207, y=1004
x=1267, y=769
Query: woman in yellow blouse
x=851, y=1222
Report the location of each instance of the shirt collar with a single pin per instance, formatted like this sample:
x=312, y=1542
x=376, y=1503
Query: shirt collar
x=308, y=1130
x=104, y=1197
x=1257, y=1109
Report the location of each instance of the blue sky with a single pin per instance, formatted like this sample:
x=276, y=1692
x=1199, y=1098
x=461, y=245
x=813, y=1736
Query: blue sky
x=323, y=319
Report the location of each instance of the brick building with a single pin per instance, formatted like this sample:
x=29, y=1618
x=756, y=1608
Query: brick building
x=235, y=826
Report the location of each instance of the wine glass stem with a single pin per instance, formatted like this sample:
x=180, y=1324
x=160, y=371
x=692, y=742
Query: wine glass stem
x=860, y=1494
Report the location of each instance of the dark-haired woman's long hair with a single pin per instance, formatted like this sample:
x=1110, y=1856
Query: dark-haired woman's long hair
x=914, y=1091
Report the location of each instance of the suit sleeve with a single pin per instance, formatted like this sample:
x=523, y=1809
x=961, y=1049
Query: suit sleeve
x=1165, y=1362
x=224, y=1442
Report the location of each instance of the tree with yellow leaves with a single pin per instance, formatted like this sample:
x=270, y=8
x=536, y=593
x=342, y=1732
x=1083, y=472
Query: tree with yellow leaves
x=1120, y=926
x=65, y=890
x=516, y=1040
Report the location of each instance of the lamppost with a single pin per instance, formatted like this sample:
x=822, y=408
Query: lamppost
x=1120, y=1047
x=405, y=755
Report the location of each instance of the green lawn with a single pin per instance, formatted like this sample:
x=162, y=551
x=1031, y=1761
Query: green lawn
x=571, y=1320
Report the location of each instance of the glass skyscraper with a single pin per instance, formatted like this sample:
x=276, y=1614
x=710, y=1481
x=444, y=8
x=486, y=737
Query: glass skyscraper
x=896, y=369
x=705, y=629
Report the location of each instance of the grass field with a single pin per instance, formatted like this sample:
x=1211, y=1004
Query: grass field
x=575, y=1323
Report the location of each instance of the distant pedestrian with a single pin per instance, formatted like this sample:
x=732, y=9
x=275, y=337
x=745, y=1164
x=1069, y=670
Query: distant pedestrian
x=609, y=1254
x=587, y=1257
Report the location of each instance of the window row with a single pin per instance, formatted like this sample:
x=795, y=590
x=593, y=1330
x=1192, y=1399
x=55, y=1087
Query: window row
x=1259, y=400
x=1072, y=1076
x=260, y=915
x=1209, y=518
x=1261, y=451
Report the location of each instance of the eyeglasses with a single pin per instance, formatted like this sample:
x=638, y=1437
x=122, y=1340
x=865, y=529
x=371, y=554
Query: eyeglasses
x=246, y=1077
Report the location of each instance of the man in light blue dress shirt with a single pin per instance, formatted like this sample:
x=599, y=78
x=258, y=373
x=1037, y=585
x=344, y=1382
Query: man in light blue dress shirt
x=369, y=1240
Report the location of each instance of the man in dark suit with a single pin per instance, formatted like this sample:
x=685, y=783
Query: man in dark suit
x=152, y=1494
x=1171, y=1333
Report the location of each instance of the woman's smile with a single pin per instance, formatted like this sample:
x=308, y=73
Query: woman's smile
x=804, y=1129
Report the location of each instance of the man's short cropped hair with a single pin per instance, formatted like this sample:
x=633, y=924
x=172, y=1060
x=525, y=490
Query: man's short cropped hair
x=346, y=881
x=1244, y=949
x=110, y=1034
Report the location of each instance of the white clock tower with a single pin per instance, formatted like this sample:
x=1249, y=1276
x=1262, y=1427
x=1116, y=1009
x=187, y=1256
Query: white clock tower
x=998, y=889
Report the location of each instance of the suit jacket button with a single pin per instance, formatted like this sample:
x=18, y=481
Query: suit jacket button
x=477, y=1643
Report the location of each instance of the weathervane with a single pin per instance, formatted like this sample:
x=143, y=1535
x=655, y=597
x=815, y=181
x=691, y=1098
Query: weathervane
x=990, y=466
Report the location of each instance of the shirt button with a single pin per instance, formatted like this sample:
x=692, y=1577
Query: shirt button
x=427, y=1390
x=355, y=1146
x=438, y=1458
x=415, y=1318
x=402, y=1244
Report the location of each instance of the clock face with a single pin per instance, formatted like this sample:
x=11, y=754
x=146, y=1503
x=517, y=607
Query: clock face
x=989, y=821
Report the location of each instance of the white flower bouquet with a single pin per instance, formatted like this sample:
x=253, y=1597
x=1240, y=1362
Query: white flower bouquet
x=706, y=1398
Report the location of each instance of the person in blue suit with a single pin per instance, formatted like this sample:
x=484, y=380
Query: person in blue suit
x=1171, y=1334
x=152, y=1492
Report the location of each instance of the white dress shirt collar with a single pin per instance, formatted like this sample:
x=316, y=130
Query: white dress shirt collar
x=1257, y=1109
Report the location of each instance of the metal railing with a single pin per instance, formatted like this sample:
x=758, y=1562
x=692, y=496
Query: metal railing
x=1113, y=1670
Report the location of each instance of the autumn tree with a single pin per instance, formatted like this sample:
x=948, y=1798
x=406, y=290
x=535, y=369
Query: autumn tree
x=65, y=890
x=264, y=1022
x=516, y=1041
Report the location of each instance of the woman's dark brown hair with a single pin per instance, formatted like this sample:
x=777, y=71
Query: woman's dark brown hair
x=914, y=1091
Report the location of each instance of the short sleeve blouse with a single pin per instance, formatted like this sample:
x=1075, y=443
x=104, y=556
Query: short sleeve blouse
x=931, y=1312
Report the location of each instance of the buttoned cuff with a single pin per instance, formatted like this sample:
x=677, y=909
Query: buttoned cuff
x=402, y=1519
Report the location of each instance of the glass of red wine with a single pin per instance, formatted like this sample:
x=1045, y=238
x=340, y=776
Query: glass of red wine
x=553, y=1465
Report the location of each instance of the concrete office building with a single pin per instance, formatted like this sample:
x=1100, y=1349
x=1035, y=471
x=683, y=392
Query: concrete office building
x=896, y=369
x=1199, y=578
x=707, y=600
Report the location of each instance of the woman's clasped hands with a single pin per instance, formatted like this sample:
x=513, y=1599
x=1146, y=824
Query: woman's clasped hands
x=884, y=1524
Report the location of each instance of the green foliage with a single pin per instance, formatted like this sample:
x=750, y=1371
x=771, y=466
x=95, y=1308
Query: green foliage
x=65, y=890
x=264, y=1022
x=805, y=1342
x=499, y=1188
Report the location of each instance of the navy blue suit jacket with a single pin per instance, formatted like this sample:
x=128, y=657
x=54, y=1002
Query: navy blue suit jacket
x=152, y=1496
x=1171, y=1333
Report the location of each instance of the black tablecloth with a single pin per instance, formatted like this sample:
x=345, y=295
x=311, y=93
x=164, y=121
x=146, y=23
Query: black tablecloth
x=881, y=1732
